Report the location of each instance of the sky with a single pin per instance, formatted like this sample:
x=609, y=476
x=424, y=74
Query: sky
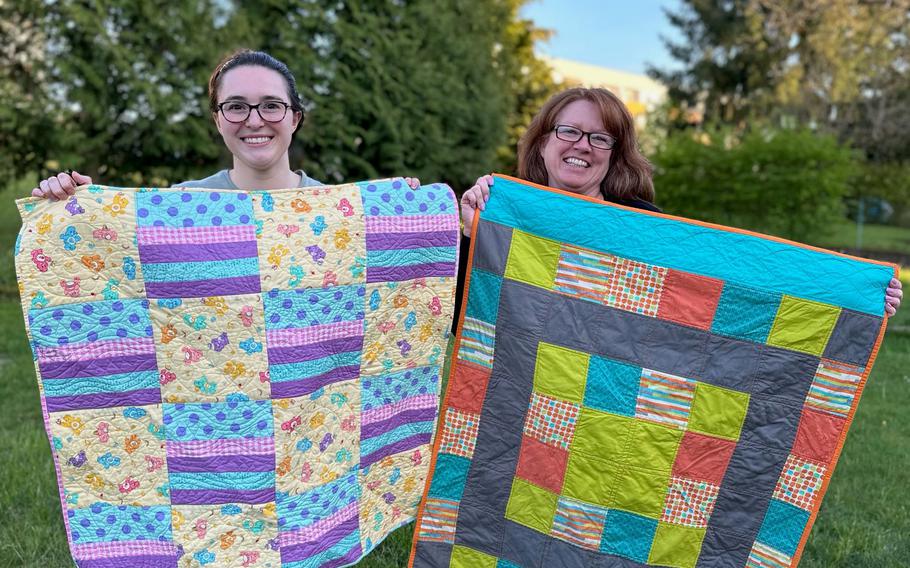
x=620, y=34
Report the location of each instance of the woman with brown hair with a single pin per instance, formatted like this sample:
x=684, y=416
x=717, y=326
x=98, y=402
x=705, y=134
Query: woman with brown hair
x=583, y=141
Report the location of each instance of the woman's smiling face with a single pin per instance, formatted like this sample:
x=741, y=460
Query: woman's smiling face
x=577, y=166
x=255, y=143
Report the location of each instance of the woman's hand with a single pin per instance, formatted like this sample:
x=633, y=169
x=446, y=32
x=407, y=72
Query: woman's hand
x=893, y=296
x=413, y=183
x=475, y=198
x=60, y=186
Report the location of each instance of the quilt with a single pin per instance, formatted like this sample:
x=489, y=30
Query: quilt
x=631, y=389
x=234, y=378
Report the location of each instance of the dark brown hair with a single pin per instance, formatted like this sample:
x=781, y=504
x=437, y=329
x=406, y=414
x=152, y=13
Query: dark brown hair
x=629, y=175
x=255, y=59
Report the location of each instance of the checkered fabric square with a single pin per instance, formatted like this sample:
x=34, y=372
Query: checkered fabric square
x=459, y=434
x=635, y=287
x=689, y=503
x=552, y=421
x=799, y=482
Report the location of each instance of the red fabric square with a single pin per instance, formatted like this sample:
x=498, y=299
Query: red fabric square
x=689, y=299
x=467, y=387
x=703, y=458
x=541, y=464
x=817, y=435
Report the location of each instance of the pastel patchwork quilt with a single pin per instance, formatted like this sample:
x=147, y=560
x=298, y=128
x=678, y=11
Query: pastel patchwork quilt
x=632, y=389
x=235, y=378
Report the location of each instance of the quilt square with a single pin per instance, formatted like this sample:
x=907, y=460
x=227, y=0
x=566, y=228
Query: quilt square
x=210, y=348
x=531, y=506
x=579, y=523
x=411, y=234
x=635, y=287
x=762, y=556
x=800, y=482
x=467, y=387
x=551, y=421
x=532, y=260
x=399, y=412
x=541, y=464
x=439, y=520
x=111, y=455
x=315, y=338
x=389, y=489
x=689, y=299
x=834, y=387
x=745, y=313
x=95, y=355
x=628, y=535
x=689, y=503
x=783, y=527
x=665, y=398
x=561, y=372
x=316, y=437
x=196, y=244
x=404, y=323
x=477, y=342
x=676, y=546
x=220, y=453
x=81, y=263
x=718, y=411
x=104, y=523
x=817, y=435
x=311, y=238
x=459, y=433
x=230, y=534
x=703, y=458
x=802, y=325
x=612, y=386
x=583, y=273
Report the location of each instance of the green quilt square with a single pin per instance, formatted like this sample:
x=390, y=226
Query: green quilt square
x=642, y=492
x=718, y=411
x=531, y=505
x=803, y=325
x=532, y=260
x=589, y=479
x=653, y=446
x=602, y=434
x=464, y=557
x=676, y=546
x=561, y=372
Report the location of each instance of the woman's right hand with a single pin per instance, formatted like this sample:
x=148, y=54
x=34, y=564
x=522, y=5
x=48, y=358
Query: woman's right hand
x=60, y=186
x=475, y=198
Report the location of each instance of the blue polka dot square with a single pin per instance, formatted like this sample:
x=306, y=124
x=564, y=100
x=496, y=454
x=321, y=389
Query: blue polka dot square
x=300, y=511
x=183, y=235
x=220, y=453
x=103, y=522
x=185, y=208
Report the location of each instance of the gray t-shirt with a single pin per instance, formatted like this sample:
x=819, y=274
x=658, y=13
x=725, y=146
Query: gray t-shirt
x=222, y=180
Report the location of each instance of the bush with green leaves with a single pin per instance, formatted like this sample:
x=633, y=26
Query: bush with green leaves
x=789, y=183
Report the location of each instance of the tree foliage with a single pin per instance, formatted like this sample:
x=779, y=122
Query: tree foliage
x=784, y=182
x=117, y=88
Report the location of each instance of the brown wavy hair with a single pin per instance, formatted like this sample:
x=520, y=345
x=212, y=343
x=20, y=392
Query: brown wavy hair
x=629, y=175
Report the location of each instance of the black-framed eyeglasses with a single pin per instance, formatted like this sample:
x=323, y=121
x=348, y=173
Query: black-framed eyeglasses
x=239, y=111
x=599, y=140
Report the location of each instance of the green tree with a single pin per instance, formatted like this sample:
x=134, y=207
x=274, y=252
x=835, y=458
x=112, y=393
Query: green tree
x=784, y=182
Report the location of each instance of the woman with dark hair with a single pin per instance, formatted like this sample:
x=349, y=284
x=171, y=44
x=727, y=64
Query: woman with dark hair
x=257, y=110
x=583, y=141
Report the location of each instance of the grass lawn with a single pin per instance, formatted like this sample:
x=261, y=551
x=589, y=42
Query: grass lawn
x=875, y=237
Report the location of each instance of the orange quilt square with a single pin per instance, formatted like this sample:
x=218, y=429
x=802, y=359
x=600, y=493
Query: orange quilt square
x=817, y=435
x=703, y=458
x=689, y=299
x=541, y=464
x=467, y=387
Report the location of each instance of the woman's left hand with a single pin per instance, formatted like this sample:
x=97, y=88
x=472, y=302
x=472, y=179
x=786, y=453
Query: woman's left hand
x=893, y=296
x=413, y=183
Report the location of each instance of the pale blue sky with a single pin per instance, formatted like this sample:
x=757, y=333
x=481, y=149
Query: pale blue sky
x=620, y=34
